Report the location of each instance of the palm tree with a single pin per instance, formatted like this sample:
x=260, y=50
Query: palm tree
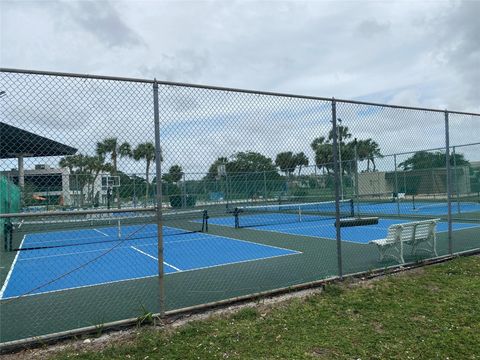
x=343, y=134
x=68, y=162
x=125, y=150
x=301, y=160
x=145, y=151
x=323, y=153
x=286, y=162
x=77, y=166
x=373, y=152
x=95, y=165
x=368, y=150
x=111, y=147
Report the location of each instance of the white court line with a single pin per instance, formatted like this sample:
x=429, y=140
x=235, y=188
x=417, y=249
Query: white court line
x=279, y=231
x=207, y=234
x=154, y=258
x=144, y=253
x=7, y=279
x=173, y=267
x=145, y=277
x=69, y=254
x=101, y=232
x=151, y=276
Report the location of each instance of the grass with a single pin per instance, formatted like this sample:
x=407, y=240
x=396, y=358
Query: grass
x=429, y=313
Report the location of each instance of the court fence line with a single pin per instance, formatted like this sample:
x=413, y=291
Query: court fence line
x=111, y=147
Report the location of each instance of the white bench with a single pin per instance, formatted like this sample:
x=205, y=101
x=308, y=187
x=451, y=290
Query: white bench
x=412, y=233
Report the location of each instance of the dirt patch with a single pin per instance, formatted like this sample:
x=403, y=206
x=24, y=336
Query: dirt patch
x=321, y=353
x=378, y=327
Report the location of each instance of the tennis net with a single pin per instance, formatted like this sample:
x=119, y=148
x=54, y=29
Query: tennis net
x=252, y=216
x=58, y=232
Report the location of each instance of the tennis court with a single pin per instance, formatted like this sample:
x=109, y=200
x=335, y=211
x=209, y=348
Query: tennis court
x=60, y=260
x=319, y=226
x=421, y=208
x=83, y=253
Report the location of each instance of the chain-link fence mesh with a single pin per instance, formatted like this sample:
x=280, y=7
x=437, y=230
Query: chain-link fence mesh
x=245, y=183
x=71, y=146
x=465, y=179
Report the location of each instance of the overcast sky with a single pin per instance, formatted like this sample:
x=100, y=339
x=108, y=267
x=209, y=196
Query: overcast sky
x=419, y=53
x=404, y=52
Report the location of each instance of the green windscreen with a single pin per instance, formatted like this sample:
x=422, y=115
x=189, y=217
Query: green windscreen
x=9, y=199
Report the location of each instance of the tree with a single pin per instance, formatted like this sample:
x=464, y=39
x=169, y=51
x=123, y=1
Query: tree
x=286, y=161
x=174, y=175
x=250, y=162
x=248, y=172
x=343, y=134
x=213, y=169
x=368, y=150
x=111, y=147
x=323, y=153
x=301, y=160
x=373, y=152
x=77, y=166
x=94, y=166
x=145, y=151
x=429, y=160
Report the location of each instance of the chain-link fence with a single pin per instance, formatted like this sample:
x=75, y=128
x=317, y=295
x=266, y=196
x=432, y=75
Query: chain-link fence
x=123, y=198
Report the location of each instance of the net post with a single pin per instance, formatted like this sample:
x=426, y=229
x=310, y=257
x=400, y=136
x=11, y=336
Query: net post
x=158, y=201
x=449, y=183
x=119, y=229
x=205, y=221
x=236, y=215
x=337, y=188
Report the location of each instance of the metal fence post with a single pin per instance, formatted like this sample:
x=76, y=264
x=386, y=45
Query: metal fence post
x=184, y=192
x=396, y=183
x=357, y=195
x=337, y=188
x=455, y=180
x=247, y=195
x=339, y=143
x=449, y=183
x=205, y=189
x=264, y=187
x=158, y=173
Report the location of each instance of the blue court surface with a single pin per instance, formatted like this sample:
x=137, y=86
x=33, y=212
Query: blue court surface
x=315, y=226
x=103, y=259
x=420, y=208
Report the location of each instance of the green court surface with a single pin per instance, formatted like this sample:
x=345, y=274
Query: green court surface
x=48, y=313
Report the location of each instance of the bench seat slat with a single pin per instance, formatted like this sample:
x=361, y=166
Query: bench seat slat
x=412, y=233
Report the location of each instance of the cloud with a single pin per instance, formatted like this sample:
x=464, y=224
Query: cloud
x=424, y=54
x=459, y=45
x=371, y=28
x=103, y=21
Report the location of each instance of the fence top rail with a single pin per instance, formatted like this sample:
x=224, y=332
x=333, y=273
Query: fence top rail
x=229, y=89
x=432, y=149
x=73, y=213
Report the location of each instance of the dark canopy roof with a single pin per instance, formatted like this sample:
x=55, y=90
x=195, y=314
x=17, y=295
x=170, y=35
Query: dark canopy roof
x=15, y=141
